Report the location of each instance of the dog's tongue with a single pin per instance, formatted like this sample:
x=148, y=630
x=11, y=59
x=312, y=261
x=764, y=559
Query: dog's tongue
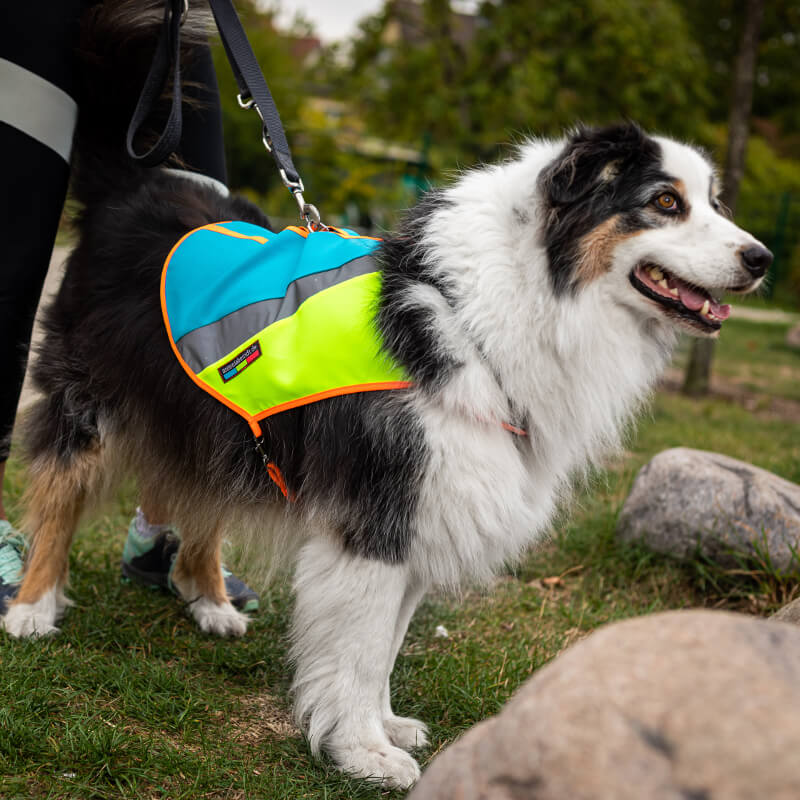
x=723, y=311
x=690, y=298
x=694, y=301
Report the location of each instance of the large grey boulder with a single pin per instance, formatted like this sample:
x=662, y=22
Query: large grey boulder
x=685, y=501
x=686, y=705
x=789, y=613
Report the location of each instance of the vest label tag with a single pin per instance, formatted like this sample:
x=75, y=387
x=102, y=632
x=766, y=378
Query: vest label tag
x=240, y=362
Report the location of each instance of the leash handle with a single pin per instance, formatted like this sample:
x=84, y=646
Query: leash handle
x=166, y=55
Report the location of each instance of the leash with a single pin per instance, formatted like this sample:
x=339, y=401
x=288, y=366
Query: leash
x=253, y=93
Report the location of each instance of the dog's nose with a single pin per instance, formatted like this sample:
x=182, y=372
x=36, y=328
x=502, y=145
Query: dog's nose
x=756, y=260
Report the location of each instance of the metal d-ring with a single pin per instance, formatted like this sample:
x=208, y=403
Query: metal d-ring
x=259, y=448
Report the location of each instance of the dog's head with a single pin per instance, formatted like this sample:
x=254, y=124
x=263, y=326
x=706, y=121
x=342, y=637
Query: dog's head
x=642, y=215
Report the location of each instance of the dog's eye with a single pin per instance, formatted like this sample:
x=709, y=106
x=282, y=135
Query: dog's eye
x=667, y=202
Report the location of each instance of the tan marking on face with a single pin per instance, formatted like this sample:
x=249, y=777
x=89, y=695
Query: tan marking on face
x=597, y=249
x=680, y=191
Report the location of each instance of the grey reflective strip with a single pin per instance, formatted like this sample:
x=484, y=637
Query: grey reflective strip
x=37, y=107
x=203, y=346
x=198, y=177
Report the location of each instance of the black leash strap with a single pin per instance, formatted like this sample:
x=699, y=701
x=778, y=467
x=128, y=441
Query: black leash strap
x=253, y=93
x=166, y=55
x=253, y=89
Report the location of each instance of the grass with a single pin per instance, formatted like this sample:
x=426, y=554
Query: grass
x=754, y=356
x=131, y=701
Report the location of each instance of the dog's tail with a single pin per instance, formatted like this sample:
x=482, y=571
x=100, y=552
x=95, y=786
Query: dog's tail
x=117, y=44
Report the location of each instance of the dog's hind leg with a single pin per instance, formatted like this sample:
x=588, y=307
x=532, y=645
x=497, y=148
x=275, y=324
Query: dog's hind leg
x=344, y=632
x=197, y=576
x=405, y=732
x=59, y=485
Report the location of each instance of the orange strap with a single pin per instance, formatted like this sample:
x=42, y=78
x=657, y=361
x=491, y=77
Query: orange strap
x=275, y=473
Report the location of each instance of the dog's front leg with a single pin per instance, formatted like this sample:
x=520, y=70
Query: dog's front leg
x=343, y=631
x=405, y=732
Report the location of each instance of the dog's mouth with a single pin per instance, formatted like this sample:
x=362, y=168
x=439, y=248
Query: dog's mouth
x=691, y=303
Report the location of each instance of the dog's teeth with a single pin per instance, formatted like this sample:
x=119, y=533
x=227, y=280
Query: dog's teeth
x=674, y=291
x=706, y=309
x=663, y=284
x=656, y=274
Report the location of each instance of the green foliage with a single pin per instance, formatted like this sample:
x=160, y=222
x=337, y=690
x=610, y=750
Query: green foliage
x=717, y=27
x=769, y=207
x=454, y=89
x=528, y=67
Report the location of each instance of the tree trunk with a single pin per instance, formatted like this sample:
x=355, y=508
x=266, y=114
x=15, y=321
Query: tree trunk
x=698, y=371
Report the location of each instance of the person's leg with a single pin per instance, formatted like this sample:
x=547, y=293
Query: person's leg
x=202, y=145
x=37, y=121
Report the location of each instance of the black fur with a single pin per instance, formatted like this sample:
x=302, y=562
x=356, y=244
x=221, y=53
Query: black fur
x=579, y=197
x=105, y=363
x=106, y=358
x=409, y=333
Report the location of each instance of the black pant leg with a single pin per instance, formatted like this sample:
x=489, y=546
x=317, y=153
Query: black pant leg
x=202, y=146
x=37, y=52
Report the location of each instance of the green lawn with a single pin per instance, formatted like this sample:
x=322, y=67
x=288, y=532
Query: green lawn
x=130, y=701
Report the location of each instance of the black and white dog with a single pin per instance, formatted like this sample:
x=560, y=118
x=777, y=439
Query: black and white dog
x=534, y=304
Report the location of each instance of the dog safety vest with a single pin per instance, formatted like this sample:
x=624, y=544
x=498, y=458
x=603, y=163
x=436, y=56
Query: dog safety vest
x=265, y=321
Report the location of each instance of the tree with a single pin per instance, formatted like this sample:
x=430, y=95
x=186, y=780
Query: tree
x=698, y=371
x=475, y=83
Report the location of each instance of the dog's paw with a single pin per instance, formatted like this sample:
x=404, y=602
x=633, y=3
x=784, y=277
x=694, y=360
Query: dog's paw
x=221, y=619
x=405, y=732
x=24, y=620
x=389, y=766
x=62, y=604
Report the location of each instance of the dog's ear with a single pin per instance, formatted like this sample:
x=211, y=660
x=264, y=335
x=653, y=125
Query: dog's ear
x=592, y=157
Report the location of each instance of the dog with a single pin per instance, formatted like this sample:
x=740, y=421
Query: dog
x=533, y=305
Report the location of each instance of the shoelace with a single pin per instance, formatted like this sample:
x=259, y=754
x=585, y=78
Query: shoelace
x=12, y=546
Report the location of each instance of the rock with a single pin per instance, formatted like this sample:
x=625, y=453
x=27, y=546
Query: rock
x=684, y=501
x=789, y=613
x=686, y=705
x=793, y=337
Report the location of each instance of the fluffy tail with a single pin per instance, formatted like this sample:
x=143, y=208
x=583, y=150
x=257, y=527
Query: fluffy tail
x=117, y=44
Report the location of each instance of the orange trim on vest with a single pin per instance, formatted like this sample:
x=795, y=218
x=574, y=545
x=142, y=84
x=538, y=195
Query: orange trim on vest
x=217, y=228
x=254, y=426
x=339, y=390
x=345, y=235
x=299, y=230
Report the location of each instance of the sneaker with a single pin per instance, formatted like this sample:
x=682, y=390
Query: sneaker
x=12, y=549
x=149, y=560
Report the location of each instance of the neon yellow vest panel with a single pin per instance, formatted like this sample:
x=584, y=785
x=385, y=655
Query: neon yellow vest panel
x=269, y=321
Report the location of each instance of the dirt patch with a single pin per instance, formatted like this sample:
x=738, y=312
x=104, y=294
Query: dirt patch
x=261, y=717
x=763, y=406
